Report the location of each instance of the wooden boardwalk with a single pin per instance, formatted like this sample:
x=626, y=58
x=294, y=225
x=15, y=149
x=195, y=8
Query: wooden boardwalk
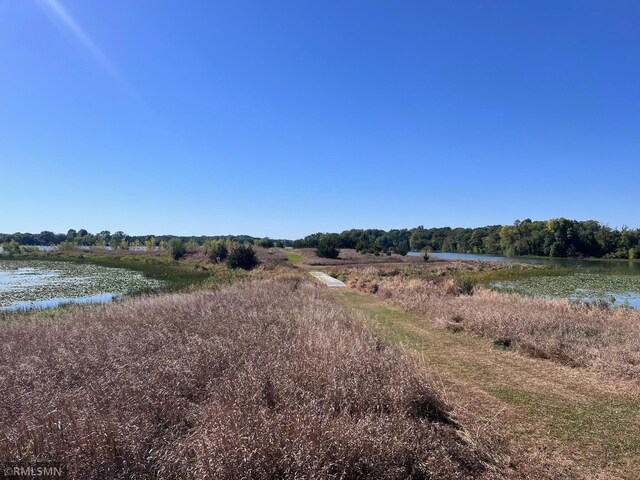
x=328, y=280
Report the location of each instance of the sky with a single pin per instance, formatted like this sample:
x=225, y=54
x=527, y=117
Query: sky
x=285, y=118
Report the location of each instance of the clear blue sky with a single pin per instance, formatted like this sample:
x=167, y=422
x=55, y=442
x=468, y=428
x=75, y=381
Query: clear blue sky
x=284, y=118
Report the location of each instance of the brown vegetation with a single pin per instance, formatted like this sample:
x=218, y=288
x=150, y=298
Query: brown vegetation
x=267, y=380
x=349, y=256
x=575, y=334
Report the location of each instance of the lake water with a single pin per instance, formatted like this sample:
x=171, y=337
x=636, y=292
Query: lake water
x=619, y=266
x=614, y=281
x=27, y=284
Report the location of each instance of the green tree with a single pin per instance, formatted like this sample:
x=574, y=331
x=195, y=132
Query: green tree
x=67, y=246
x=150, y=243
x=242, y=256
x=178, y=249
x=266, y=242
x=366, y=245
x=192, y=246
x=11, y=248
x=327, y=248
x=402, y=248
x=217, y=251
x=419, y=239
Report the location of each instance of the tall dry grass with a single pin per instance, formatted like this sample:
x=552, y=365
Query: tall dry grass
x=261, y=381
x=576, y=334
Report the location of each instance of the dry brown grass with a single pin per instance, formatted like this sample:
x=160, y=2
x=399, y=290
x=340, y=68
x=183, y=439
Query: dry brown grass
x=258, y=381
x=574, y=334
x=349, y=256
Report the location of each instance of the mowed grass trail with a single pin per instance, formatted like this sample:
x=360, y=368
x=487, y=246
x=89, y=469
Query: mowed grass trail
x=564, y=422
x=294, y=257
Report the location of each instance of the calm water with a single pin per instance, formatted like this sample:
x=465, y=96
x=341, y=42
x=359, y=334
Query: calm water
x=26, y=284
x=614, y=281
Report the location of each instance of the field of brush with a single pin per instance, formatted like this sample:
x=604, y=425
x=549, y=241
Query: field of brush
x=456, y=296
x=418, y=370
x=268, y=379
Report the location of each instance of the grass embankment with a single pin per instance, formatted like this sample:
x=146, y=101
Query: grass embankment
x=574, y=334
x=562, y=422
x=268, y=380
x=465, y=275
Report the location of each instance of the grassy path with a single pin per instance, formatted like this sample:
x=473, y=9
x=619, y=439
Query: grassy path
x=573, y=422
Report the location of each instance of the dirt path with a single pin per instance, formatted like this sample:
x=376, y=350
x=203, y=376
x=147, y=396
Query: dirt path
x=561, y=422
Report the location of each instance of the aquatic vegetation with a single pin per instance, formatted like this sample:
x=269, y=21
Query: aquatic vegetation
x=615, y=289
x=33, y=283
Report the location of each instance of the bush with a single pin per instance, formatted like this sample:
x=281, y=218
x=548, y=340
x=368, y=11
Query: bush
x=11, y=248
x=465, y=285
x=67, y=246
x=192, y=246
x=217, y=251
x=242, y=256
x=266, y=242
x=327, y=248
x=426, y=255
x=150, y=243
x=177, y=248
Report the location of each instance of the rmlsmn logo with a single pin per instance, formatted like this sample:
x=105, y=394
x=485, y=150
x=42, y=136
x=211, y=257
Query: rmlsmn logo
x=36, y=470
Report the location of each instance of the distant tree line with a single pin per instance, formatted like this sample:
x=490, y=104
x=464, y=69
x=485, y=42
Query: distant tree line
x=120, y=240
x=558, y=237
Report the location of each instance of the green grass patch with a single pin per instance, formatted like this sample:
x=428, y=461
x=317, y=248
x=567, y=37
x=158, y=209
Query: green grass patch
x=616, y=419
x=600, y=422
x=293, y=257
x=516, y=396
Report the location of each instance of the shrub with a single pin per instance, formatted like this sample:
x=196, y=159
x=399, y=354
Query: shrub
x=192, y=246
x=150, y=243
x=327, y=248
x=178, y=249
x=266, y=242
x=217, y=251
x=242, y=256
x=11, y=248
x=402, y=248
x=466, y=286
x=67, y=246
